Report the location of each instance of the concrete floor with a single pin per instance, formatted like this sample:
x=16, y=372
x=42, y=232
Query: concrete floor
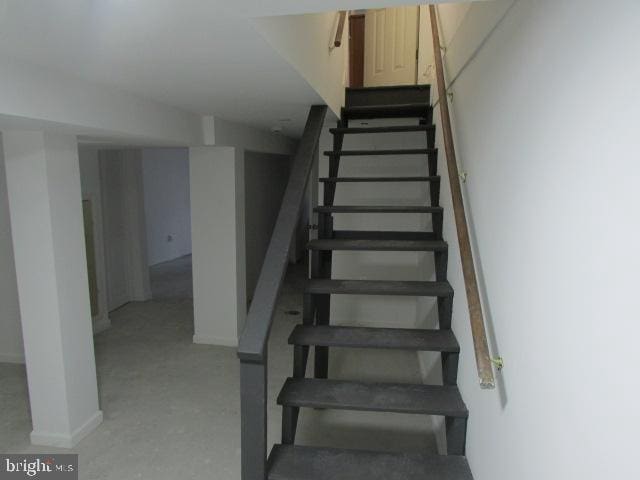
x=171, y=408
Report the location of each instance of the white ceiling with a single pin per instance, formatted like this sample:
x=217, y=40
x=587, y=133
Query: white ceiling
x=202, y=56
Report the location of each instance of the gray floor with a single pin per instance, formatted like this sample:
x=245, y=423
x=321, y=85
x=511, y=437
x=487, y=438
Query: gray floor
x=171, y=408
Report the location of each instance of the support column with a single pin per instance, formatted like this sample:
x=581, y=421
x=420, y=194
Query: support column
x=218, y=243
x=43, y=183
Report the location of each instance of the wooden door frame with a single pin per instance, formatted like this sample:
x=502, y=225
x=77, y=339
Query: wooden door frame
x=353, y=67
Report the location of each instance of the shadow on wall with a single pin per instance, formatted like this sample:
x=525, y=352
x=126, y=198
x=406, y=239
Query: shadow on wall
x=11, y=345
x=266, y=177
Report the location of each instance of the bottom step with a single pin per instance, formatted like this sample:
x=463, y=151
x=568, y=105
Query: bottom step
x=288, y=462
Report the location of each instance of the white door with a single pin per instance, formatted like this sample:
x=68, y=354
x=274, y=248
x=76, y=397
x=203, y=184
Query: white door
x=390, y=46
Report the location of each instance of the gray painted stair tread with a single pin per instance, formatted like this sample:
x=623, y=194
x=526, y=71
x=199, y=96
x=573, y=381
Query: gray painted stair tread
x=374, y=397
x=382, y=111
x=379, y=287
x=388, y=129
x=288, y=462
x=388, y=95
x=435, y=178
x=405, y=151
x=386, y=235
x=378, y=209
x=366, y=337
x=399, y=88
x=379, y=245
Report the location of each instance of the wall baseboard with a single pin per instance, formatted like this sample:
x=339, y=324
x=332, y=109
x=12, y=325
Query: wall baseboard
x=61, y=440
x=213, y=340
x=11, y=358
x=160, y=262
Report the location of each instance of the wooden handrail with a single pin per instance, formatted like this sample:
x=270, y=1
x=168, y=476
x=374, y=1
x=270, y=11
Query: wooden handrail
x=481, y=347
x=341, y=20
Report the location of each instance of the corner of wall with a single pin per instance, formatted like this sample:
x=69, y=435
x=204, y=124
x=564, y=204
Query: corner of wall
x=101, y=323
x=305, y=41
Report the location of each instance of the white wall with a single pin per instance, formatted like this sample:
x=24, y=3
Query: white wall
x=32, y=96
x=545, y=119
x=304, y=41
x=83, y=72
x=265, y=177
x=11, y=346
x=165, y=173
x=221, y=132
x=450, y=18
x=92, y=190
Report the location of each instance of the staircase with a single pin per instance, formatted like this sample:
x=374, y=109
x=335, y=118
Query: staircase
x=288, y=461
